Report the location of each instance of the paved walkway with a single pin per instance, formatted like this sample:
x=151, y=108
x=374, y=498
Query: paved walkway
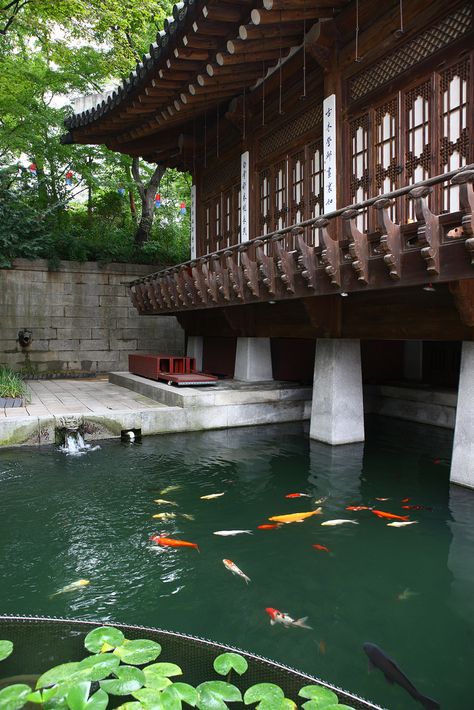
x=82, y=396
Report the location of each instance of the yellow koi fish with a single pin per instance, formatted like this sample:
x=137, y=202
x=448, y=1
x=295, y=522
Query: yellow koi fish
x=162, y=501
x=295, y=517
x=72, y=587
x=164, y=516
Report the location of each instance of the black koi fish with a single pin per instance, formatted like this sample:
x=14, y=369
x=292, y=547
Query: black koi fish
x=393, y=674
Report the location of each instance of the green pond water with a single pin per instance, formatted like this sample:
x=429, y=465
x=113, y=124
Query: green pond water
x=64, y=518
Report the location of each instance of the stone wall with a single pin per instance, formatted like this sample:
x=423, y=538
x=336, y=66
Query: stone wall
x=80, y=316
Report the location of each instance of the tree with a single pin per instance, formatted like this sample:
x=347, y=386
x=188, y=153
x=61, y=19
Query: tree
x=147, y=196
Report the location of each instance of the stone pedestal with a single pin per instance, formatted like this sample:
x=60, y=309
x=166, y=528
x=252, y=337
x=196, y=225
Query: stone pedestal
x=337, y=413
x=413, y=360
x=194, y=349
x=253, y=360
x=462, y=464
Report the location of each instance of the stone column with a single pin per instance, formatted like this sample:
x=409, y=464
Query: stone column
x=253, y=360
x=337, y=413
x=194, y=349
x=413, y=360
x=462, y=464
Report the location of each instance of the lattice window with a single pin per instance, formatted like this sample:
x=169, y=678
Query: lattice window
x=297, y=167
x=238, y=202
x=207, y=228
x=418, y=152
x=454, y=134
x=360, y=174
x=265, y=204
x=226, y=219
x=280, y=205
x=316, y=175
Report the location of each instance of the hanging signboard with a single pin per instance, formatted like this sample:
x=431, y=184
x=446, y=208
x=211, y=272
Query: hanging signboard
x=244, y=197
x=193, y=221
x=329, y=148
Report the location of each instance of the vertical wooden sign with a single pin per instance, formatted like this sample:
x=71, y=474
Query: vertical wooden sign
x=244, y=197
x=193, y=221
x=329, y=148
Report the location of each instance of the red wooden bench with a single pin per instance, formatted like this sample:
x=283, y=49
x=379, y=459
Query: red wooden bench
x=170, y=368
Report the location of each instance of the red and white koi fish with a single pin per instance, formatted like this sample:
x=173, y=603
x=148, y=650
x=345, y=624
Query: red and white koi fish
x=382, y=499
x=297, y=495
x=416, y=507
x=232, y=567
x=390, y=516
x=171, y=542
x=358, y=507
x=281, y=617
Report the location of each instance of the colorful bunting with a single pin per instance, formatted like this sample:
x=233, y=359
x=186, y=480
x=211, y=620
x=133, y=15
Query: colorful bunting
x=69, y=175
x=157, y=200
x=182, y=208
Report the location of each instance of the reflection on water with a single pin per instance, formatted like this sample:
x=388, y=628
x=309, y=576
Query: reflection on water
x=408, y=590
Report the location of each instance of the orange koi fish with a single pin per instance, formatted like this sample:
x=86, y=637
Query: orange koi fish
x=321, y=547
x=416, y=507
x=268, y=527
x=405, y=500
x=295, y=517
x=322, y=646
x=390, y=516
x=382, y=499
x=358, y=507
x=170, y=542
x=298, y=495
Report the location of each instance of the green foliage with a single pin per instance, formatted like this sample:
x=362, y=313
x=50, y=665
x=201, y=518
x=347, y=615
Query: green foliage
x=70, y=686
x=11, y=385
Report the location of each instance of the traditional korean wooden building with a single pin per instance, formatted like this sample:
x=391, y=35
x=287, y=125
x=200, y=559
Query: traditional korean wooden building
x=330, y=144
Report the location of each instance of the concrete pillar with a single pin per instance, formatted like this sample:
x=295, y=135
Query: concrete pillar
x=462, y=463
x=253, y=360
x=413, y=360
x=337, y=413
x=194, y=349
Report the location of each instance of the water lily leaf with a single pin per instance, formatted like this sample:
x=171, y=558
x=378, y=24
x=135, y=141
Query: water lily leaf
x=186, y=692
x=337, y=707
x=149, y=697
x=6, y=647
x=132, y=705
x=171, y=699
x=109, y=635
x=155, y=680
x=321, y=697
x=78, y=694
x=129, y=679
x=213, y=693
x=98, y=701
x=138, y=652
x=282, y=704
x=230, y=661
x=166, y=669
x=65, y=671
x=263, y=691
x=14, y=696
x=35, y=697
x=97, y=667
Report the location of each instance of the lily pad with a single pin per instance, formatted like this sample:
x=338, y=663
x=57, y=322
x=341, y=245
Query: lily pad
x=338, y=707
x=131, y=705
x=95, y=640
x=148, y=697
x=263, y=691
x=282, y=704
x=166, y=669
x=230, y=661
x=138, y=652
x=97, y=667
x=128, y=679
x=186, y=692
x=155, y=680
x=319, y=696
x=6, y=647
x=14, y=696
x=65, y=671
x=213, y=693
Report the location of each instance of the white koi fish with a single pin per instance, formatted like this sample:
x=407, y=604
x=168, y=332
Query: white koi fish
x=212, y=495
x=226, y=533
x=169, y=489
x=339, y=521
x=72, y=587
x=401, y=525
x=281, y=617
x=172, y=516
x=232, y=567
x=162, y=501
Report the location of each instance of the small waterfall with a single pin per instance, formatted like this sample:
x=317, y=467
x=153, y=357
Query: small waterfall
x=74, y=444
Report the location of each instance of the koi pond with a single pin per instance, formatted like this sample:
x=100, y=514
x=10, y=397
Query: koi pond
x=408, y=589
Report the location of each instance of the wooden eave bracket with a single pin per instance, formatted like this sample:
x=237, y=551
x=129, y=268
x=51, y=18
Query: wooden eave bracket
x=358, y=245
x=428, y=229
x=390, y=241
x=321, y=42
x=330, y=253
x=307, y=261
x=235, y=274
x=199, y=282
x=249, y=272
x=266, y=268
x=286, y=264
x=465, y=181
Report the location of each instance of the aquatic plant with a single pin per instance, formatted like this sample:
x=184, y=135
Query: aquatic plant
x=11, y=383
x=112, y=670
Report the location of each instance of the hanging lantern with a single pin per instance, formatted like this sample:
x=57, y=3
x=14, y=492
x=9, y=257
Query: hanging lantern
x=121, y=191
x=157, y=200
x=33, y=170
x=69, y=175
x=182, y=208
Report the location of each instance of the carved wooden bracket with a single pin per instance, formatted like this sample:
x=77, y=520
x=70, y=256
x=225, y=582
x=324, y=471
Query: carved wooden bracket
x=165, y=295
x=330, y=252
x=151, y=294
x=222, y=279
x=143, y=296
x=199, y=282
x=180, y=286
x=235, y=275
x=358, y=246
x=428, y=228
x=250, y=272
x=155, y=285
x=266, y=268
x=465, y=181
x=307, y=261
x=390, y=241
x=321, y=41
x=171, y=287
x=134, y=297
x=210, y=280
x=189, y=287
x=286, y=264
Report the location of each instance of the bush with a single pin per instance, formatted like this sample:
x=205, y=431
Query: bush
x=11, y=384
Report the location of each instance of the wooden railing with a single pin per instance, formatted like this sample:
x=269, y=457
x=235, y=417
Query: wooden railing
x=282, y=265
